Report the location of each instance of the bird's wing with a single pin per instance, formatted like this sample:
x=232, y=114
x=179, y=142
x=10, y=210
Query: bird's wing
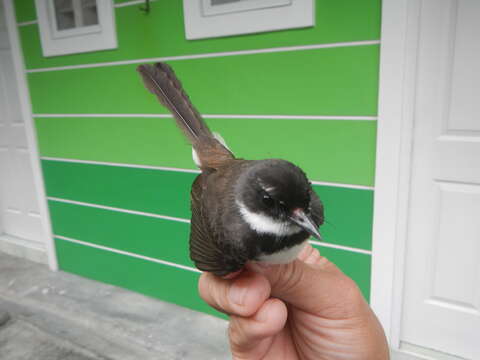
x=204, y=249
x=209, y=249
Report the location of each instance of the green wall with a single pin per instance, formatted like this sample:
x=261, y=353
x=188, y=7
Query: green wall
x=120, y=213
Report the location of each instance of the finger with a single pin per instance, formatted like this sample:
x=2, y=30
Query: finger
x=241, y=296
x=307, y=253
x=251, y=338
x=316, y=286
x=311, y=256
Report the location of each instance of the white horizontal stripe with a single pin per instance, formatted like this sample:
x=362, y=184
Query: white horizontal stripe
x=341, y=247
x=163, y=168
x=289, y=117
x=210, y=55
x=111, y=208
x=349, y=186
x=214, y=116
x=26, y=23
x=101, y=247
x=102, y=115
x=133, y=2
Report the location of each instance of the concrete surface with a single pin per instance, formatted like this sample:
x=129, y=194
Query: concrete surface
x=58, y=316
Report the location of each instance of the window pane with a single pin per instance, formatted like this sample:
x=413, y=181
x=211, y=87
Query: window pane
x=75, y=13
x=90, y=14
x=65, y=14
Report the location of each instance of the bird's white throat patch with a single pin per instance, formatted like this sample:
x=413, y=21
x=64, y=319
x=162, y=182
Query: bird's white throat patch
x=264, y=224
x=284, y=256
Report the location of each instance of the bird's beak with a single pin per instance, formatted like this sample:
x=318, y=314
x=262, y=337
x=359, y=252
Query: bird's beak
x=305, y=222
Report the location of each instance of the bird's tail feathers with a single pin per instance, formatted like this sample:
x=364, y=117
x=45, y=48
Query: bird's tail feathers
x=161, y=80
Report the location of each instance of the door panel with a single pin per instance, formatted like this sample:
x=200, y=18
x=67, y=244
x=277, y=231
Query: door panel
x=442, y=273
x=19, y=211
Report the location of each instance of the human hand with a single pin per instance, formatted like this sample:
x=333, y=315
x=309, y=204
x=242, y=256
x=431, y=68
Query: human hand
x=307, y=309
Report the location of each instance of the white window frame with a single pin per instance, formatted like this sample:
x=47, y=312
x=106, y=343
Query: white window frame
x=211, y=10
x=202, y=20
x=83, y=39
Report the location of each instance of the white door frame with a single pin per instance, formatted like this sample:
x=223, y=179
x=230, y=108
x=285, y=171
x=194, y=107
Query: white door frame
x=399, y=40
x=27, y=117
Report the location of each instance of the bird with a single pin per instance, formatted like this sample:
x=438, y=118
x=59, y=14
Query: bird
x=241, y=210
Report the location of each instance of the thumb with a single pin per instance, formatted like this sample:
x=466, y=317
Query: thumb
x=313, y=284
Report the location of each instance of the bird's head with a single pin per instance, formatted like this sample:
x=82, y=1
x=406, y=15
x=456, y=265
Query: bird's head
x=275, y=197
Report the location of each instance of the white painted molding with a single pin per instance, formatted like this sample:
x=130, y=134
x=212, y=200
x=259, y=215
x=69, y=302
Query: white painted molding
x=79, y=39
x=104, y=163
x=121, y=252
x=414, y=352
x=342, y=185
x=130, y=3
x=394, y=141
x=26, y=249
x=204, y=20
x=26, y=23
x=111, y=208
x=211, y=55
x=340, y=247
x=26, y=114
x=219, y=116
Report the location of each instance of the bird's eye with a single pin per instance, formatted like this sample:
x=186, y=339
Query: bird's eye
x=268, y=201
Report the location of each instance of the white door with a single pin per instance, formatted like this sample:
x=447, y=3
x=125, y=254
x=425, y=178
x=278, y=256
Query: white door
x=441, y=307
x=19, y=209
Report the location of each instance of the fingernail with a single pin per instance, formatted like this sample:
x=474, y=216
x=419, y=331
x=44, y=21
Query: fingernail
x=237, y=294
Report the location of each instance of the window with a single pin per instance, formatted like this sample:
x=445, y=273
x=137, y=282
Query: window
x=215, y=18
x=75, y=26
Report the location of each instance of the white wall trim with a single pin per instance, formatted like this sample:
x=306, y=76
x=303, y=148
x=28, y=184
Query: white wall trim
x=394, y=142
x=290, y=117
x=342, y=185
x=121, y=252
x=211, y=55
x=105, y=163
x=26, y=23
x=414, y=352
x=216, y=116
x=26, y=249
x=26, y=113
x=112, y=208
x=130, y=3
x=161, y=116
x=340, y=247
